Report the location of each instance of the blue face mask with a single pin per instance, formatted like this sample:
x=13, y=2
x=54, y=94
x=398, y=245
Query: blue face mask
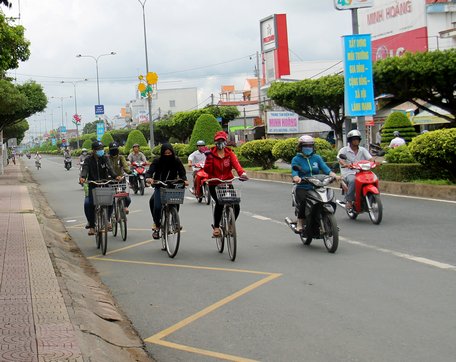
x=100, y=153
x=307, y=150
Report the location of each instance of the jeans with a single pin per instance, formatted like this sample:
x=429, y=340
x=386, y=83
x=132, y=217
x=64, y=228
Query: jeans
x=155, y=207
x=301, y=196
x=218, y=209
x=350, y=181
x=127, y=202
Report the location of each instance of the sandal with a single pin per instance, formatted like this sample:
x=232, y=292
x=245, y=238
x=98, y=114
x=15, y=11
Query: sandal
x=216, y=233
x=91, y=231
x=156, y=234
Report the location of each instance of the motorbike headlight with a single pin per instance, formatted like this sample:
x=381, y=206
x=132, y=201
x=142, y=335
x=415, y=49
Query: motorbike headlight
x=365, y=166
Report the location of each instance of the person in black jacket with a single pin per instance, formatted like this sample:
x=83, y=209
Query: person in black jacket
x=97, y=167
x=166, y=167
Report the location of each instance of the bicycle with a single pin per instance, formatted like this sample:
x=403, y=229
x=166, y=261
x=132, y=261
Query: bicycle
x=119, y=216
x=171, y=195
x=103, y=195
x=228, y=196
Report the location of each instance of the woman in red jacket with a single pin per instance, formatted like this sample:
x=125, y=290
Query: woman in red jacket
x=220, y=161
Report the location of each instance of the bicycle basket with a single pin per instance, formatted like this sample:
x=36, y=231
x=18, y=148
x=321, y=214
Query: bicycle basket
x=121, y=189
x=103, y=196
x=227, y=194
x=172, y=196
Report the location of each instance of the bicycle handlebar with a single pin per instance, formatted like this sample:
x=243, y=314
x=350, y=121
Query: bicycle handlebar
x=227, y=181
x=168, y=182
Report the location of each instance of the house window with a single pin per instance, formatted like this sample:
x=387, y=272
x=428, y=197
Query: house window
x=172, y=103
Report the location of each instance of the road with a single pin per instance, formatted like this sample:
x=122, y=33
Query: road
x=388, y=293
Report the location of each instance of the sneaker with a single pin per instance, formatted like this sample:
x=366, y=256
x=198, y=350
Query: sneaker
x=349, y=205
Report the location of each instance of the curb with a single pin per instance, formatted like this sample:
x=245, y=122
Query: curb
x=438, y=192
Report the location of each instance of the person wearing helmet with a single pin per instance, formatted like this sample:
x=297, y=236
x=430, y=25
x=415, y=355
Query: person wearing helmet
x=96, y=167
x=82, y=156
x=309, y=163
x=135, y=156
x=197, y=158
x=166, y=167
x=120, y=166
x=397, y=140
x=220, y=161
x=354, y=153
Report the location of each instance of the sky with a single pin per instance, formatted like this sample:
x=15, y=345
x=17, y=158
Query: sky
x=199, y=43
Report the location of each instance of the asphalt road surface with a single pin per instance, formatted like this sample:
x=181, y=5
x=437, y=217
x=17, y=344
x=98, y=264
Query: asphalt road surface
x=387, y=294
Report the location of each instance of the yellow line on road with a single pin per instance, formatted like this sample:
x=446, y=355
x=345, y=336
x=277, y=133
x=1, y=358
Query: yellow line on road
x=100, y=256
x=203, y=352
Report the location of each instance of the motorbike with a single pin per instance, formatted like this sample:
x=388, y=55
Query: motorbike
x=367, y=194
x=320, y=221
x=38, y=164
x=202, y=191
x=29, y=156
x=68, y=163
x=137, y=180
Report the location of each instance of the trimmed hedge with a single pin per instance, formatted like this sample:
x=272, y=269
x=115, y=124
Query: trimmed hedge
x=259, y=151
x=206, y=126
x=397, y=121
x=179, y=148
x=135, y=136
x=399, y=154
x=406, y=172
x=106, y=139
x=286, y=149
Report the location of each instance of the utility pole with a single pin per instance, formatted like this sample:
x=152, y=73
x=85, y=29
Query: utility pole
x=245, y=126
x=260, y=113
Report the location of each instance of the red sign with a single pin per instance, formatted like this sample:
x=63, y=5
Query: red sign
x=396, y=45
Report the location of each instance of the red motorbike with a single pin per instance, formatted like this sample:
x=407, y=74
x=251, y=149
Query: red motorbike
x=367, y=195
x=137, y=180
x=201, y=188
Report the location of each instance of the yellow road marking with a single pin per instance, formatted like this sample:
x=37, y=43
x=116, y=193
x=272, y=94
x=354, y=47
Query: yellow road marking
x=100, y=256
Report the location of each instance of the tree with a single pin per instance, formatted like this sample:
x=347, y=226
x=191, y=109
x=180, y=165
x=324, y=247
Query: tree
x=90, y=127
x=16, y=130
x=205, y=128
x=428, y=76
x=135, y=136
x=319, y=99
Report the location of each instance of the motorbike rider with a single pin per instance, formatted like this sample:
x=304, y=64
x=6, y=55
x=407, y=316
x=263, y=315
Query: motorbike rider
x=197, y=157
x=220, y=160
x=66, y=156
x=354, y=153
x=120, y=166
x=82, y=156
x=166, y=167
x=310, y=164
x=397, y=140
x=96, y=167
x=135, y=156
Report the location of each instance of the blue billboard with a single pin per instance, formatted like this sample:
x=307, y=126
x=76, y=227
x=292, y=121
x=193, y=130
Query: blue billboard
x=359, y=85
x=100, y=130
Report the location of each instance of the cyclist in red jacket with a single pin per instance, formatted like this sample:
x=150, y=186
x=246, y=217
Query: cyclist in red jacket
x=220, y=161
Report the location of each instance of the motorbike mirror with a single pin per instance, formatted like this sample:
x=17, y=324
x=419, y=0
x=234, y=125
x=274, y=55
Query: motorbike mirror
x=296, y=168
x=342, y=156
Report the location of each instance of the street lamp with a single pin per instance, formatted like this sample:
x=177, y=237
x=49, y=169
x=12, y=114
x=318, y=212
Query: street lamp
x=61, y=106
x=75, y=105
x=149, y=95
x=96, y=64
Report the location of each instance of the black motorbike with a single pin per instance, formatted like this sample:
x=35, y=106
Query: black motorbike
x=68, y=163
x=320, y=221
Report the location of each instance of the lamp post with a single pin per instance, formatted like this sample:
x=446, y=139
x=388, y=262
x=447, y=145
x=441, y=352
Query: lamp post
x=96, y=64
x=61, y=106
x=149, y=95
x=75, y=106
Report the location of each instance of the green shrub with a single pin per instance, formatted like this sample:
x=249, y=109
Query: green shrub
x=259, y=151
x=156, y=150
x=406, y=172
x=135, y=136
x=286, y=149
x=106, y=139
x=397, y=121
x=436, y=150
x=399, y=154
x=180, y=150
x=87, y=144
x=206, y=126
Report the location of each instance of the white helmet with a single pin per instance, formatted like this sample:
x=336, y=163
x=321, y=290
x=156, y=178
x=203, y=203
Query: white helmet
x=396, y=134
x=306, y=140
x=353, y=133
x=84, y=150
x=201, y=143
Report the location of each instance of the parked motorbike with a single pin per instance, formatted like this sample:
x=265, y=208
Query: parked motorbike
x=376, y=150
x=137, y=180
x=367, y=194
x=320, y=221
x=68, y=163
x=201, y=191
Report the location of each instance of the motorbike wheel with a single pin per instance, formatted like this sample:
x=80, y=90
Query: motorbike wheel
x=331, y=232
x=351, y=214
x=141, y=186
x=206, y=194
x=306, y=240
x=376, y=211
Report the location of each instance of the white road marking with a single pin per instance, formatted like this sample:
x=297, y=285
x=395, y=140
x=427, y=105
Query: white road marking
x=71, y=220
x=259, y=217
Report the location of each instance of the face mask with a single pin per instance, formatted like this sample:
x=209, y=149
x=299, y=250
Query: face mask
x=113, y=152
x=307, y=150
x=100, y=153
x=221, y=145
x=84, y=153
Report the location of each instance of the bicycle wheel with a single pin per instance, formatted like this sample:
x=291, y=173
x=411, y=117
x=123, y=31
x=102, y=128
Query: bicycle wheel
x=230, y=232
x=104, y=230
x=172, y=232
x=376, y=210
x=122, y=220
x=164, y=217
x=98, y=223
x=115, y=218
x=331, y=233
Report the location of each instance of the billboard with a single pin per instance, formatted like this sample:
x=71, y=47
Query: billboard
x=352, y=4
x=396, y=26
x=282, y=122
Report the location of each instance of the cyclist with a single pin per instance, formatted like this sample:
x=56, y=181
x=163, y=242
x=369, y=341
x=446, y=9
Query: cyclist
x=195, y=158
x=120, y=166
x=135, y=156
x=220, y=161
x=310, y=164
x=96, y=167
x=163, y=168
x=82, y=156
x=354, y=153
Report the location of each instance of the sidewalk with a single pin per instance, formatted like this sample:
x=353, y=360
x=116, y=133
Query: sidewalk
x=35, y=323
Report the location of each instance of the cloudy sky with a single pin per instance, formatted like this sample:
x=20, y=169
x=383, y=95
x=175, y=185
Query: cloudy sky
x=199, y=43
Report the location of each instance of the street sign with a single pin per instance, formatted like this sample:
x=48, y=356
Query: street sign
x=100, y=130
x=352, y=4
x=62, y=129
x=54, y=141
x=359, y=84
x=99, y=109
